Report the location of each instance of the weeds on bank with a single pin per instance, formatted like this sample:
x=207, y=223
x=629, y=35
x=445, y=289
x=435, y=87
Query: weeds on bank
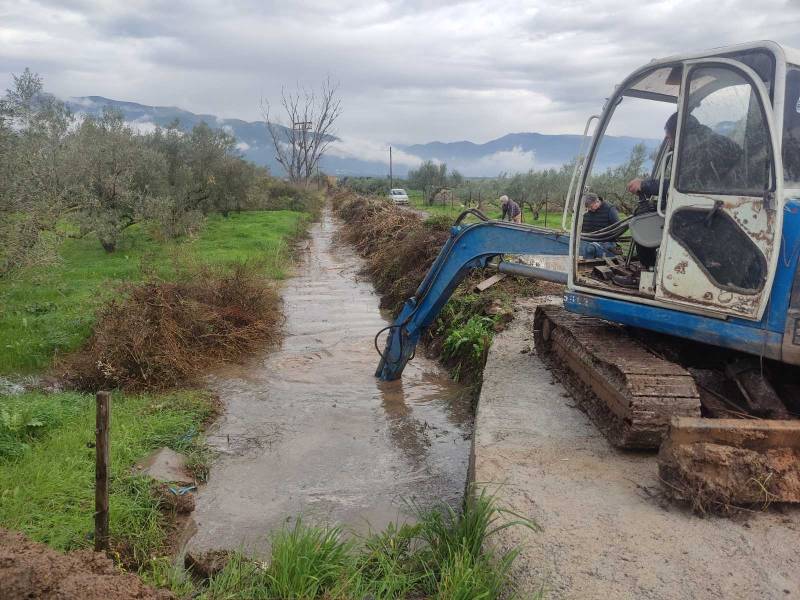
x=442, y=556
x=162, y=334
x=467, y=345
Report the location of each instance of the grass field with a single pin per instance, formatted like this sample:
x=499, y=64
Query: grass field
x=48, y=310
x=46, y=457
x=47, y=464
x=416, y=199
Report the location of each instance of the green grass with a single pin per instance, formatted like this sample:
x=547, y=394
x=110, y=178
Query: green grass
x=49, y=310
x=46, y=460
x=47, y=487
x=443, y=556
x=415, y=198
x=466, y=345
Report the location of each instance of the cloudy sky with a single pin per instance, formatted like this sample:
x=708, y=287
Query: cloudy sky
x=410, y=71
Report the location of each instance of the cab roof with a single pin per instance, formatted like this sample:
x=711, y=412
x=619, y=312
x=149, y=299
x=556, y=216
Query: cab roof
x=659, y=80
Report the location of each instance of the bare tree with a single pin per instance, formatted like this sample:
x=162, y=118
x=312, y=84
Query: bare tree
x=301, y=141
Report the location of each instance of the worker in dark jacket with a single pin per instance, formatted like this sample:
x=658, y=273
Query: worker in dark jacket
x=709, y=159
x=649, y=187
x=510, y=209
x=599, y=213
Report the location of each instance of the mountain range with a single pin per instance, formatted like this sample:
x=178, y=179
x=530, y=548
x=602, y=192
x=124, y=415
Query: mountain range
x=510, y=153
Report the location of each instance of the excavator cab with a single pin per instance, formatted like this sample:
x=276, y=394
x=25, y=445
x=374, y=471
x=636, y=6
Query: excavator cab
x=709, y=242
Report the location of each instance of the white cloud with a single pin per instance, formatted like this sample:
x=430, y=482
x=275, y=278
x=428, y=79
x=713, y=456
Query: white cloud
x=410, y=70
x=86, y=103
x=372, y=151
x=144, y=125
x=243, y=146
x=515, y=160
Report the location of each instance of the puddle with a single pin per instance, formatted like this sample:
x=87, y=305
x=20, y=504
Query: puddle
x=309, y=431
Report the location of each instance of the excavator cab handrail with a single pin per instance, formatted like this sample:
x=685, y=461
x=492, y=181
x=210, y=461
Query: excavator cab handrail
x=570, y=201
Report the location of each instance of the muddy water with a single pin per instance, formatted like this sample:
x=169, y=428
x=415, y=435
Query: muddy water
x=309, y=431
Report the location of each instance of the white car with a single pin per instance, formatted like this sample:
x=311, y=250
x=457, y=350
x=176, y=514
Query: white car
x=398, y=196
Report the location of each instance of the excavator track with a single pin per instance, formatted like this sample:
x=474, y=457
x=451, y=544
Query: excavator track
x=630, y=393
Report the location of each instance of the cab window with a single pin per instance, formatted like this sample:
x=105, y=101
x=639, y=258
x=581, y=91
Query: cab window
x=791, y=128
x=724, y=138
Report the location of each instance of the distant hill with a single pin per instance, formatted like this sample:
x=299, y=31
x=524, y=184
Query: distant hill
x=510, y=153
x=546, y=151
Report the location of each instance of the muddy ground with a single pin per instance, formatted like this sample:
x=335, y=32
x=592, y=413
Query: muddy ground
x=30, y=570
x=308, y=430
x=608, y=532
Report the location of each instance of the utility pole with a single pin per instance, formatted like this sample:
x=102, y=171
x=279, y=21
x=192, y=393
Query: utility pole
x=391, y=176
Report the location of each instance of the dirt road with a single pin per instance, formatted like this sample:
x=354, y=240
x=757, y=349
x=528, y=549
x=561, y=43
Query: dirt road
x=308, y=430
x=607, y=531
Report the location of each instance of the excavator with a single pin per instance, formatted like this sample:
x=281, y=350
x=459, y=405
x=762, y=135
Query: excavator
x=701, y=356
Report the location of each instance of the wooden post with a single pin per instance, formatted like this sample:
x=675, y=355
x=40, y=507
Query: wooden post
x=101, y=471
x=545, y=210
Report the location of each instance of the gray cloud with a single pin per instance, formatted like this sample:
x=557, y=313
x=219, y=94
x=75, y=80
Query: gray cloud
x=410, y=71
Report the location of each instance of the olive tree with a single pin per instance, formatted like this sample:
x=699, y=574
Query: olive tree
x=118, y=173
x=36, y=179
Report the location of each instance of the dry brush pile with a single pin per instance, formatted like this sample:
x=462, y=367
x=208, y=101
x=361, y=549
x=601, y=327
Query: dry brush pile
x=163, y=334
x=398, y=245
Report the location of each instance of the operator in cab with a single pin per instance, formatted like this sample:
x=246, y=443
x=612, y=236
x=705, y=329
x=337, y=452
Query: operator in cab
x=646, y=188
x=708, y=159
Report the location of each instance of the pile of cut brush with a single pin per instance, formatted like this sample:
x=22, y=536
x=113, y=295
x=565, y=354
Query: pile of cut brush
x=163, y=334
x=399, y=245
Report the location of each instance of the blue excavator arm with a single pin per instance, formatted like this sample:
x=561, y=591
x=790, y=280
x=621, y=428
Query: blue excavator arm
x=468, y=247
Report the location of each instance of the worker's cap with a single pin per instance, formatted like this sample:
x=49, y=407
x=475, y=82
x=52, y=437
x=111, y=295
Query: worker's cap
x=503, y=199
x=590, y=198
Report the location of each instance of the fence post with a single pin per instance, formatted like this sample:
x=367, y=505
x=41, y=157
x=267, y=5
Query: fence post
x=103, y=420
x=545, y=210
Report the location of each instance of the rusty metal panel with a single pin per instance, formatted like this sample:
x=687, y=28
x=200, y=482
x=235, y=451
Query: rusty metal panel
x=684, y=280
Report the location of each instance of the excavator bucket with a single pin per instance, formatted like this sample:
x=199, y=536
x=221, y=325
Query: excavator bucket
x=720, y=463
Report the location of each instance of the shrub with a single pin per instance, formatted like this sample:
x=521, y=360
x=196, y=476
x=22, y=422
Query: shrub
x=163, y=334
x=286, y=196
